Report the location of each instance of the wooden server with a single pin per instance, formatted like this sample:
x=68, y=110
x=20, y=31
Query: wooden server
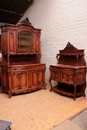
x=70, y=72
x=22, y=70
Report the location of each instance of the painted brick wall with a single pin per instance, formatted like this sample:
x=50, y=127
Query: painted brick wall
x=61, y=21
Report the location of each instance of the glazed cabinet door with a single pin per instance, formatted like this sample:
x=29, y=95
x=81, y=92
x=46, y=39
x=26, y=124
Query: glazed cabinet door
x=18, y=82
x=25, y=43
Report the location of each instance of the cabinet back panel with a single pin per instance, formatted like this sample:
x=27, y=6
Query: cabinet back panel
x=22, y=59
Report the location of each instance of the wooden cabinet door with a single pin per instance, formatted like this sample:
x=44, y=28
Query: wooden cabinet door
x=12, y=40
x=38, y=79
x=4, y=81
x=37, y=43
x=18, y=82
x=80, y=76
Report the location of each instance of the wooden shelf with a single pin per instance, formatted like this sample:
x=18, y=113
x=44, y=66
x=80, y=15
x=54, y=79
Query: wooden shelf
x=68, y=90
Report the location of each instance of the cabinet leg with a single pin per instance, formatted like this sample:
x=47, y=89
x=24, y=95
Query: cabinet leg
x=84, y=95
x=45, y=87
x=1, y=90
x=10, y=94
x=75, y=92
x=84, y=89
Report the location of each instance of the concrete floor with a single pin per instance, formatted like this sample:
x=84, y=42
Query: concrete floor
x=78, y=122
x=67, y=125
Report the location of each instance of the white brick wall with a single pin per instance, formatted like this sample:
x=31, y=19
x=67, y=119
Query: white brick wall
x=61, y=21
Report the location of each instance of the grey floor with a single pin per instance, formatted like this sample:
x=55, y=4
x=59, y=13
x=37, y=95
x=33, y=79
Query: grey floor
x=77, y=122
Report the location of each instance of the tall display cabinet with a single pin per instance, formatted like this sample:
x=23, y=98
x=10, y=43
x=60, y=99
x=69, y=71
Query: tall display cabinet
x=22, y=70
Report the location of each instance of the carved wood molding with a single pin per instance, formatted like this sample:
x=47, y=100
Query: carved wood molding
x=26, y=22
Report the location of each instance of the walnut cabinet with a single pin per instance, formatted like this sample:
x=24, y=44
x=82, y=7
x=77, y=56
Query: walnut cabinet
x=70, y=72
x=23, y=78
x=22, y=70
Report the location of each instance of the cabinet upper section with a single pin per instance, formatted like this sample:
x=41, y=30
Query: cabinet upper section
x=21, y=38
x=71, y=56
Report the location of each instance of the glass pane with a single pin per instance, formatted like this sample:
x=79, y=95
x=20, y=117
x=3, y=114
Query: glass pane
x=25, y=41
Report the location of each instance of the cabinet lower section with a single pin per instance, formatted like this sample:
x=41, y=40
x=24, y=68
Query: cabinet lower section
x=23, y=78
x=71, y=80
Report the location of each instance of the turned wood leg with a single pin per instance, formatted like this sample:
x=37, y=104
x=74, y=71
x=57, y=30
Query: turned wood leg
x=1, y=90
x=10, y=94
x=75, y=92
x=45, y=87
x=84, y=87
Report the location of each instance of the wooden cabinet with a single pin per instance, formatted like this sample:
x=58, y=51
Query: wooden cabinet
x=23, y=78
x=22, y=70
x=0, y=63
x=70, y=72
x=0, y=42
x=21, y=39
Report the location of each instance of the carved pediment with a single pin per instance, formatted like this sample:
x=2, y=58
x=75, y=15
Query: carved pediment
x=71, y=49
x=70, y=46
x=26, y=22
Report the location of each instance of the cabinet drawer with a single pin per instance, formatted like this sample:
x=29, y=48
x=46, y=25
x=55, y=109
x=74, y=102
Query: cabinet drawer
x=55, y=75
x=67, y=75
x=39, y=66
x=18, y=68
x=36, y=66
x=67, y=78
x=55, y=69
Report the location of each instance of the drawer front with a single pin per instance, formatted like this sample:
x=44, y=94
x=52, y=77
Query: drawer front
x=38, y=67
x=26, y=68
x=18, y=68
x=55, y=73
x=67, y=76
x=71, y=76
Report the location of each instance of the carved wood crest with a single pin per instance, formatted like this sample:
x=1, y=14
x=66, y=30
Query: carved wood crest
x=71, y=49
x=26, y=22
